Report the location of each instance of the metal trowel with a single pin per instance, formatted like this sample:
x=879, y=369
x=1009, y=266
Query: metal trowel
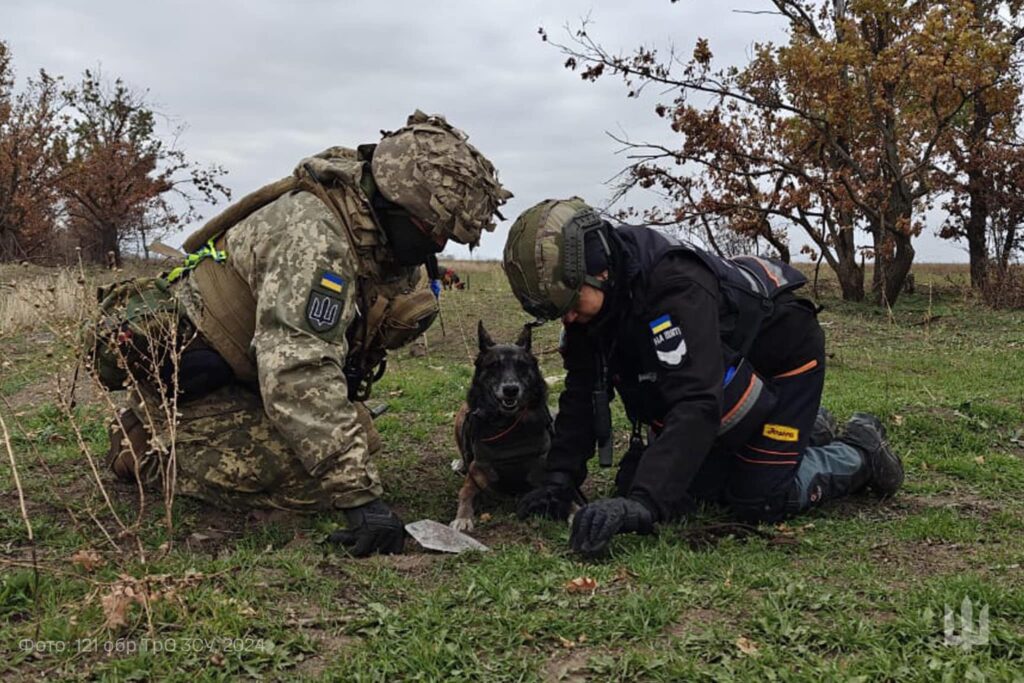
x=442, y=538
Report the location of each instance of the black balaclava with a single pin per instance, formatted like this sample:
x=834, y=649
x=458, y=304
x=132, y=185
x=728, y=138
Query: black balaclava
x=410, y=245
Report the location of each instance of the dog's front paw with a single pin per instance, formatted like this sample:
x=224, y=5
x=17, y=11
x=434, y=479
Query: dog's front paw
x=463, y=524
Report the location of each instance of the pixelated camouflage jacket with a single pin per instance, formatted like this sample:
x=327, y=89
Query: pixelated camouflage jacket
x=305, y=278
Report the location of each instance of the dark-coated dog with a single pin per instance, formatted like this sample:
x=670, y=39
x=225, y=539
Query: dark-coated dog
x=503, y=430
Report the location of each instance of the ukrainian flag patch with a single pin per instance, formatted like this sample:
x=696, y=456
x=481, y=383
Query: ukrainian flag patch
x=332, y=282
x=661, y=324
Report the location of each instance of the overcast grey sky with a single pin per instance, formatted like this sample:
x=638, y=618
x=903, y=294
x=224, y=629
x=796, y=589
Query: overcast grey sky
x=262, y=84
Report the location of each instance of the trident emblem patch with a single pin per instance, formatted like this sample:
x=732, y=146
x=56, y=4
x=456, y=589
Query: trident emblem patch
x=323, y=311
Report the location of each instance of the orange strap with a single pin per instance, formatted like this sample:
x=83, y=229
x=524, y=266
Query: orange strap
x=806, y=367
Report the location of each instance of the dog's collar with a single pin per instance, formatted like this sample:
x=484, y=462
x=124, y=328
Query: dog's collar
x=505, y=432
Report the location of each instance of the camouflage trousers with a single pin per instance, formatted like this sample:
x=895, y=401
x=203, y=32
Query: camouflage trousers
x=227, y=453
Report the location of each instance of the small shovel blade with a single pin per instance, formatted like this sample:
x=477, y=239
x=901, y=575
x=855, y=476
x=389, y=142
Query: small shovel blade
x=441, y=537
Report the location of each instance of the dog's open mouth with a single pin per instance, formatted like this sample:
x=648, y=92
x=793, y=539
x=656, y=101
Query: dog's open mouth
x=509, y=405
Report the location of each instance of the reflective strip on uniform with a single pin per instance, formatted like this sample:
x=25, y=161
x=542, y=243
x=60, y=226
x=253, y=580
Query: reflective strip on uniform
x=806, y=367
x=772, y=270
x=743, y=406
x=755, y=284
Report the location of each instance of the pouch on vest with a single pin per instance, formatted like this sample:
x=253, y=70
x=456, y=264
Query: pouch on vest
x=407, y=317
x=389, y=324
x=138, y=318
x=747, y=401
x=140, y=337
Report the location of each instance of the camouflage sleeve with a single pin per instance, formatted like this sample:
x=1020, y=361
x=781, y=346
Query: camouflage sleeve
x=302, y=273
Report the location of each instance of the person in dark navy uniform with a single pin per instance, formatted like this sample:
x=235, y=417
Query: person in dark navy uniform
x=719, y=363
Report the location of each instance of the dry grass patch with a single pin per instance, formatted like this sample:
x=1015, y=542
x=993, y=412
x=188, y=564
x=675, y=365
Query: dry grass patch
x=39, y=299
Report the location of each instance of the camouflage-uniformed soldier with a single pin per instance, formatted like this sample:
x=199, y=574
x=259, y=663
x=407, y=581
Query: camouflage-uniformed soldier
x=280, y=320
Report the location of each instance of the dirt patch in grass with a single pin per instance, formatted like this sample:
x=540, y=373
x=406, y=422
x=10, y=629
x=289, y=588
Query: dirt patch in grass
x=48, y=390
x=413, y=563
x=567, y=667
x=330, y=644
x=696, y=620
x=925, y=558
x=963, y=502
x=504, y=530
x=879, y=616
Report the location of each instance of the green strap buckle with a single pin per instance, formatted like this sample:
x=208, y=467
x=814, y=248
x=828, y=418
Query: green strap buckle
x=197, y=257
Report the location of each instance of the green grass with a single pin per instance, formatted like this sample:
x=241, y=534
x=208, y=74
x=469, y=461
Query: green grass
x=858, y=596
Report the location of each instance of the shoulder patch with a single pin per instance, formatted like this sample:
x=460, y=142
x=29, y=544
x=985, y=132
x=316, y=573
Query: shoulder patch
x=326, y=302
x=669, y=343
x=781, y=433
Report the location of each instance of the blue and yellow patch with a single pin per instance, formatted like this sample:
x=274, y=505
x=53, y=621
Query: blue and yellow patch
x=326, y=305
x=661, y=324
x=668, y=341
x=332, y=282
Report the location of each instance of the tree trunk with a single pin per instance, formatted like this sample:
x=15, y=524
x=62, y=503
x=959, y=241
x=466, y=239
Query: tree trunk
x=110, y=247
x=978, y=188
x=976, y=227
x=894, y=254
x=851, y=279
x=851, y=276
x=897, y=268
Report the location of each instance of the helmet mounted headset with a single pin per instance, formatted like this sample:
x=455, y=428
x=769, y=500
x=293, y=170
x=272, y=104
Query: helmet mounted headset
x=577, y=268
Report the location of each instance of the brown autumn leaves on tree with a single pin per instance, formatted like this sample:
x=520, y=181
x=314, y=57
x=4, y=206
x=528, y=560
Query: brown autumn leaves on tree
x=85, y=167
x=872, y=112
x=31, y=152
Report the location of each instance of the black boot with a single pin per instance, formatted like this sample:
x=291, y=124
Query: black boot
x=825, y=428
x=866, y=433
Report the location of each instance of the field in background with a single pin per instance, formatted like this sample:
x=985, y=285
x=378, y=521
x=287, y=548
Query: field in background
x=857, y=591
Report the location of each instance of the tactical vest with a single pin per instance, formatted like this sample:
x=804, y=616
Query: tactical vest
x=749, y=284
x=391, y=311
x=512, y=458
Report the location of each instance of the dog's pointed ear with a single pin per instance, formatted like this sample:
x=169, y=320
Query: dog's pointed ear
x=485, y=339
x=525, y=338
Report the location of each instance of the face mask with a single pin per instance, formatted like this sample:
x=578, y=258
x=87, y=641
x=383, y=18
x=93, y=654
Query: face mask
x=410, y=245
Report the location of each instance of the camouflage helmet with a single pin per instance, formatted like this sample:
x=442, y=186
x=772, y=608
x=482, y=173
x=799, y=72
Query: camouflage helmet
x=429, y=169
x=544, y=256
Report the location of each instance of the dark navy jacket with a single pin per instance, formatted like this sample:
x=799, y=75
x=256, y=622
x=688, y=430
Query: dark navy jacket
x=676, y=319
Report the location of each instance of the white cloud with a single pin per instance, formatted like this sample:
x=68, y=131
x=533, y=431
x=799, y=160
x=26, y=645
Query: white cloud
x=262, y=84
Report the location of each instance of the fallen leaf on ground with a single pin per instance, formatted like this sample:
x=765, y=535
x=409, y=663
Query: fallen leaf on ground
x=581, y=584
x=115, y=607
x=87, y=560
x=980, y=460
x=624, y=574
x=485, y=517
x=746, y=646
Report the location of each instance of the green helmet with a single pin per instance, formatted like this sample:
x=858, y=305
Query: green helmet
x=544, y=256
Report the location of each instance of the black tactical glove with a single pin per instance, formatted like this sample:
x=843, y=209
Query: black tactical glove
x=552, y=499
x=596, y=523
x=372, y=528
